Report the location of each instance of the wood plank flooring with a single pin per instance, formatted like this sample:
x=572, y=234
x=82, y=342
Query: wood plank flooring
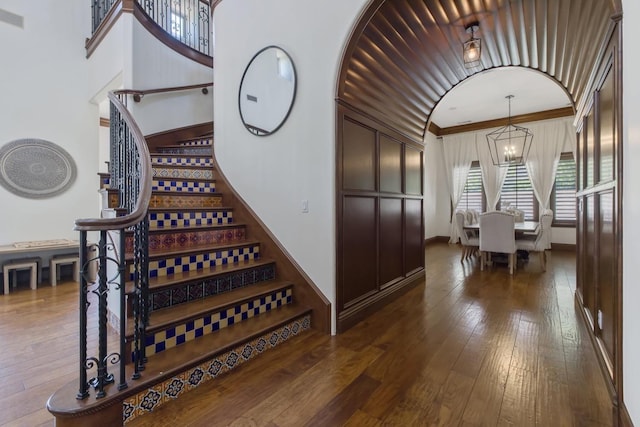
x=466, y=348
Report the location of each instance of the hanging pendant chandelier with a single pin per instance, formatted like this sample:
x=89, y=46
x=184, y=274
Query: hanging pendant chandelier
x=472, y=48
x=510, y=144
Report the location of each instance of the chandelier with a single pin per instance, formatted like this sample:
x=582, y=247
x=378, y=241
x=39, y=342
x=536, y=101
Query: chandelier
x=510, y=144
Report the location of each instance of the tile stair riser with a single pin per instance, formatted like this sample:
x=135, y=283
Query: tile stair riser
x=169, y=266
x=197, y=142
x=184, y=173
x=154, y=397
x=184, y=186
x=179, y=334
x=195, y=150
x=181, y=161
x=184, y=201
x=216, y=285
x=176, y=240
x=158, y=220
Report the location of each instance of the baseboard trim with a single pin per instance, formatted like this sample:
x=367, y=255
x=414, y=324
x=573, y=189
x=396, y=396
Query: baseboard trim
x=563, y=247
x=436, y=239
x=624, y=419
x=364, y=308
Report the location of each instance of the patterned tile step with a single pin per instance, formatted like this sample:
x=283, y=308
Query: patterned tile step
x=186, y=201
x=186, y=186
x=198, y=261
x=182, y=172
x=166, y=219
x=199, y=289
x=176, y=239
x=162, y=160
x=173, y=384
x=196, y=150
x=213, y=321
x=197, y=142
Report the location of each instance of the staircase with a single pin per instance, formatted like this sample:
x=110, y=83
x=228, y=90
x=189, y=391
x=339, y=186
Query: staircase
x=216, y=297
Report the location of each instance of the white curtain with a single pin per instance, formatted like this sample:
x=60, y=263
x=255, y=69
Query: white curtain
x=492, y=176
x=459, y=152
x=548, y=140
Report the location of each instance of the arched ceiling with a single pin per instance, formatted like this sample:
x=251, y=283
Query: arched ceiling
x=405, y=55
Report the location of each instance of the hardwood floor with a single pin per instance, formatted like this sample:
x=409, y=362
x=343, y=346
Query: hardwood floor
x=466, y=348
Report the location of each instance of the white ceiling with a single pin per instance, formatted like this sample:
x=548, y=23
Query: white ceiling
x=482, y=96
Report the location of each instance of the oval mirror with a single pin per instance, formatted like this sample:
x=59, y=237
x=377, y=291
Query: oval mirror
x=267, y=91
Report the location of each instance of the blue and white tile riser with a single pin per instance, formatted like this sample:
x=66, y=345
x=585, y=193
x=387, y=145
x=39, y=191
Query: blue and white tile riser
x=196, y=150
x=184, y=186
x=179, y=264
x=158, y=220
x=152, y=398
x=205, y=141
x=182, y=161
x=195, y=328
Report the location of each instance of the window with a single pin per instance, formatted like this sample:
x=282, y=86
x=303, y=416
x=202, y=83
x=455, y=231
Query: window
x=518, y=192
x=563, y=198
x=473, y=194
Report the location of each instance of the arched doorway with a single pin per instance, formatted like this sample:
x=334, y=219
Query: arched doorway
x=402, y=58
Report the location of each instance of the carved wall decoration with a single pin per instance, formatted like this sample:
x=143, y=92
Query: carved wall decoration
x=35, y=168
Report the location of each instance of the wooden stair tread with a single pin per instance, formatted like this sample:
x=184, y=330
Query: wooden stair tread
x=179, y=155
x=189, y=209
x=174, y=279
x=172, y=362
x=194, y=250
x=193, y=309
x=186, y=193
x=200, y=227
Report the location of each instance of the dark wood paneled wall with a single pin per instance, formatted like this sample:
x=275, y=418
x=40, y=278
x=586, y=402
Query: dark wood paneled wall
x=380, y=225
x=599, y=228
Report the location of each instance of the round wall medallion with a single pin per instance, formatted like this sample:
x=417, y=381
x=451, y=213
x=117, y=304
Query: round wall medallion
x=35, y=168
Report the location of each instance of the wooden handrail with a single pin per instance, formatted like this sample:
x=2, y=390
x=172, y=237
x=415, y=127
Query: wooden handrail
x=146, y=177
x=139, y=94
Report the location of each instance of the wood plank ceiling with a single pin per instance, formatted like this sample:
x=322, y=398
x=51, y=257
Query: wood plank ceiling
x=407, y=54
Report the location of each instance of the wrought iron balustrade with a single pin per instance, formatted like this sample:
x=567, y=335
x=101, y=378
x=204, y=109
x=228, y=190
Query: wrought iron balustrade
x=99, y=10
x=131, y=175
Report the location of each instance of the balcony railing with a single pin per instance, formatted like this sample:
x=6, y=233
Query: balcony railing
x=188, y=21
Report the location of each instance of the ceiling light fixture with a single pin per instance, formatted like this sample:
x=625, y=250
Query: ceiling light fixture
x=510, y=144
x=472, y=48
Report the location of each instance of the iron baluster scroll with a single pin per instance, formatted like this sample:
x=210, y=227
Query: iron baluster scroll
x=131, y=175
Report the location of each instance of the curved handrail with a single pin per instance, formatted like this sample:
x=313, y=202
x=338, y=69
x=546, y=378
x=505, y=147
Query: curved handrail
x=139, y=94
x=146, y=180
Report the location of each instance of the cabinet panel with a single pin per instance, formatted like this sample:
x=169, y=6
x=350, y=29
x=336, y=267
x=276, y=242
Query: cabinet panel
x=390, y=165
x=607, y=270
x=413, y=171
x=391, y=240
x=589, y=151
x=358, y=247
x=358, y=157
x=607, y=129
x=414, y=235
x=588, y=272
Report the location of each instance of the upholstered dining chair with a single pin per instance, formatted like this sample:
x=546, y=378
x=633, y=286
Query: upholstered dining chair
x=469, y=243
x=497, y=234
x=541, y=241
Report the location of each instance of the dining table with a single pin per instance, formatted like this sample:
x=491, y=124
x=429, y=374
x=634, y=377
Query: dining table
x=520, y=227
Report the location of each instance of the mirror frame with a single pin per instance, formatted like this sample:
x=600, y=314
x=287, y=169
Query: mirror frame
x=255, y=130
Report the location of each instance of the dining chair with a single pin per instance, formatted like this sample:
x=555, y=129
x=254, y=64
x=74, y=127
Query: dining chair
x=469, y=243
x=497, y=234
x=541, y=241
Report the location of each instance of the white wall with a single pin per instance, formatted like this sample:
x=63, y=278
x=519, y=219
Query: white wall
x=274, y=174
x=44, y=83
x=631, y=211
x=154, y=65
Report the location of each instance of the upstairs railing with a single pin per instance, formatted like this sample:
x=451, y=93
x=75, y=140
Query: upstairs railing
x=188, y=21
x=131, y=174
